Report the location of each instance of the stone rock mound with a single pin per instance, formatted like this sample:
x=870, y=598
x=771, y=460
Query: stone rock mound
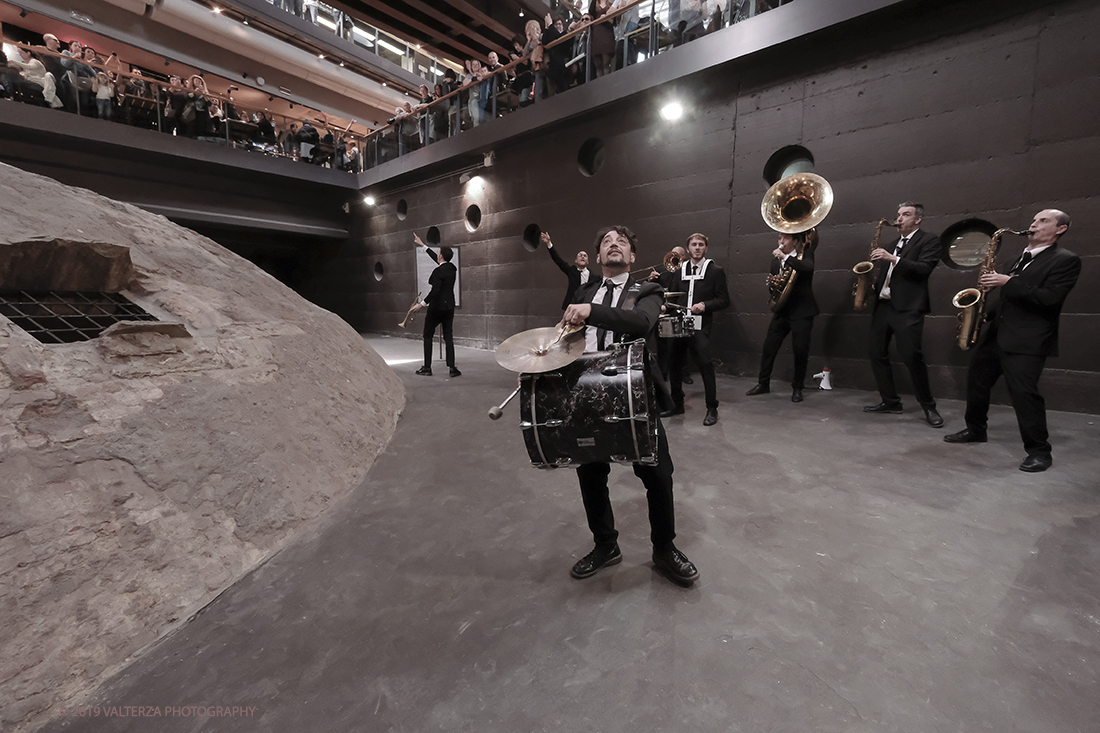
x=144, y=471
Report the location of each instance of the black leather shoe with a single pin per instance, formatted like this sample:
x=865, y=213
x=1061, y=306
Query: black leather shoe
x=675, y=565
x=796, y=395
x=677, y=410
x=455, y=372
x=424, y=371
x=965, y=436
x=893, y=408
x=759, y=388
x=933, y=417
x=711, y=418
x=600, y=557
x=1035, y=464
x=686, y=379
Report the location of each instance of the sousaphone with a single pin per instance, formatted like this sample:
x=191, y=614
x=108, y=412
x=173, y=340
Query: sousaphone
x=793, y=205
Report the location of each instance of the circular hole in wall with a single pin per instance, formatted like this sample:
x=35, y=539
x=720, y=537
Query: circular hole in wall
x=965, y=243
x=786, y=162
x=402, y=209
x=473, y=217
x=432, y=236
x=379, y=271
x=591, y=156
x=531, y=237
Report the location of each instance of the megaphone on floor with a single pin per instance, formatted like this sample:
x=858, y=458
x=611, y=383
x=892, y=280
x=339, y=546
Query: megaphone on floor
x=826, y=382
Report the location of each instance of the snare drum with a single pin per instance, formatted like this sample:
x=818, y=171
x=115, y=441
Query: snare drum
x=676, y=325
x=599, y=409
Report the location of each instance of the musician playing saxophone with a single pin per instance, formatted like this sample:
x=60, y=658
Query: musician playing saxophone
x=796, y=316
x=901, y=302
x=1020, y=332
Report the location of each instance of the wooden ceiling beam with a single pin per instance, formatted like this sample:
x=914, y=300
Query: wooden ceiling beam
x=482, y=18
x=431, y=32
x=456, y=26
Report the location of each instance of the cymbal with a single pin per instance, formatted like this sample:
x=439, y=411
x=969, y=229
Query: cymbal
x=541, y=349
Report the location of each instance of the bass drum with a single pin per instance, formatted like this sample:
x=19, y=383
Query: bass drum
x=598, y=409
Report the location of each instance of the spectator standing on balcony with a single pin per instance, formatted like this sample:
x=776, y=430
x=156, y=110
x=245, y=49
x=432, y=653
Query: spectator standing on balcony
x=173, y=105
x=424, y=113
x=56, y=66
x=134, y=88
x=199, y=126
x=558, y=55
x=104, y=92
x=603, y=38
x=524, y=79
x=85, y=73
x=288, y=140
x=439, y=114
x=533, y=48
x=475, y=74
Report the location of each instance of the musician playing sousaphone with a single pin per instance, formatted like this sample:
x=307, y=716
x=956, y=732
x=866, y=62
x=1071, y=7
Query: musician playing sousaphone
x=792, y=257
x=618, y=308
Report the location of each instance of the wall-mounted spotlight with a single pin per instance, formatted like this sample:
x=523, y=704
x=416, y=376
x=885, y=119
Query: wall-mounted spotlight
x=271, y=99
x=465, y=177
x=490, y=159
x=672, y=111
x=368, y=200
x=22, y=13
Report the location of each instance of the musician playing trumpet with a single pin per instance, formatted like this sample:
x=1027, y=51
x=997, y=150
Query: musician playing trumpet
x=441, y=306
x=1021, y=331
x=795, y=316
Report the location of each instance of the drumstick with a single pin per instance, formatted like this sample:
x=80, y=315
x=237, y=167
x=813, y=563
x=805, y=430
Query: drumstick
x=496, y=412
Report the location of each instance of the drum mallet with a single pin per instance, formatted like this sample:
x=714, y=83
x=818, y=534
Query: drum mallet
x=496, y=412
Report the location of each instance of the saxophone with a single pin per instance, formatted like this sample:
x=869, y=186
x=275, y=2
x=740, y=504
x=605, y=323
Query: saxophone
x=861, y=291
x=971, y=301
x=779, y=286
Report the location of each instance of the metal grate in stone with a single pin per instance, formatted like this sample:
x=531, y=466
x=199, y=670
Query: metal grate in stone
x=67, y=317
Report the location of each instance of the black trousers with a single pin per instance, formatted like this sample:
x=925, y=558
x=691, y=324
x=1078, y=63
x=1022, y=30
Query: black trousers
x=907, y=328
x=800, y=330
x=658, y=490
x=1021, y=373
x=439, y=318
x=699, y=346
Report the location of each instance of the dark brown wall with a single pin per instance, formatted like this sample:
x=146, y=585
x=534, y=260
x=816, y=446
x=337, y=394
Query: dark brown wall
x=996, y=120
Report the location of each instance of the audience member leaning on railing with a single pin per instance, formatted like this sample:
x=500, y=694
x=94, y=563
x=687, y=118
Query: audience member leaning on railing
x=92, y=86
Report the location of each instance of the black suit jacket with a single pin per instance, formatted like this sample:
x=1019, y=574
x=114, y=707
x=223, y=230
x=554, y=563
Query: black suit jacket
x=441, y=298
x=711, y=291
x=801, y=302
x=1025, y=316
x=909, y=283
x=572, y=273
x=631, y=324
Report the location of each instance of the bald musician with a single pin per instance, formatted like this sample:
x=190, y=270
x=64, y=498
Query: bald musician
x=1020, y=332
x=618, y=308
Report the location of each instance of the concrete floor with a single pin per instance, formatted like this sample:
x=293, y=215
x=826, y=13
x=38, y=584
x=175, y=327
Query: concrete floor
x=858, y=574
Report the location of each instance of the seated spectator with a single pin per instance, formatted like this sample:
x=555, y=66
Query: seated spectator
x=34, y=78
x=104, y=90
x=265, y=131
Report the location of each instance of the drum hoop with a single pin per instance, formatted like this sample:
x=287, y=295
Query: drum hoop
x=535, y=422
x=630, y=404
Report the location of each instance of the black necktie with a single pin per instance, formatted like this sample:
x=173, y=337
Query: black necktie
x=691, y=269
x=1019, y=266
x=901, y=243
x=608, y=298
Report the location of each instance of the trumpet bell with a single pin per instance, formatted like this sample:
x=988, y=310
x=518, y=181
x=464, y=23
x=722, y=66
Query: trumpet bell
x=797, y=203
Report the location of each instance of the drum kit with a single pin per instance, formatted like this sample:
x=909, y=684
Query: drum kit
x=578, y=408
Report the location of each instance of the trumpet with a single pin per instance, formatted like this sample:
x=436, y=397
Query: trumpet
x=794, y=205
x=971, y=301
x=409, y=314
x=670, y=263
x=861, y=291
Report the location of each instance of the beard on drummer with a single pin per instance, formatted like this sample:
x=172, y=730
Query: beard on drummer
x=616, y=248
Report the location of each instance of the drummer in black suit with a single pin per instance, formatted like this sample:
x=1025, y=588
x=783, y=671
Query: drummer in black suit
x=618, y=308
x=795, y=316
x=1021, y=331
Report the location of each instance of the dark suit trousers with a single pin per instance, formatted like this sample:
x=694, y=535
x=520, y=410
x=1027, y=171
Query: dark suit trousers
x=907, y=328
x=800, y=330
x=699, y=346
x=658, y=490
x=431, y=320
x=1021, y=373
